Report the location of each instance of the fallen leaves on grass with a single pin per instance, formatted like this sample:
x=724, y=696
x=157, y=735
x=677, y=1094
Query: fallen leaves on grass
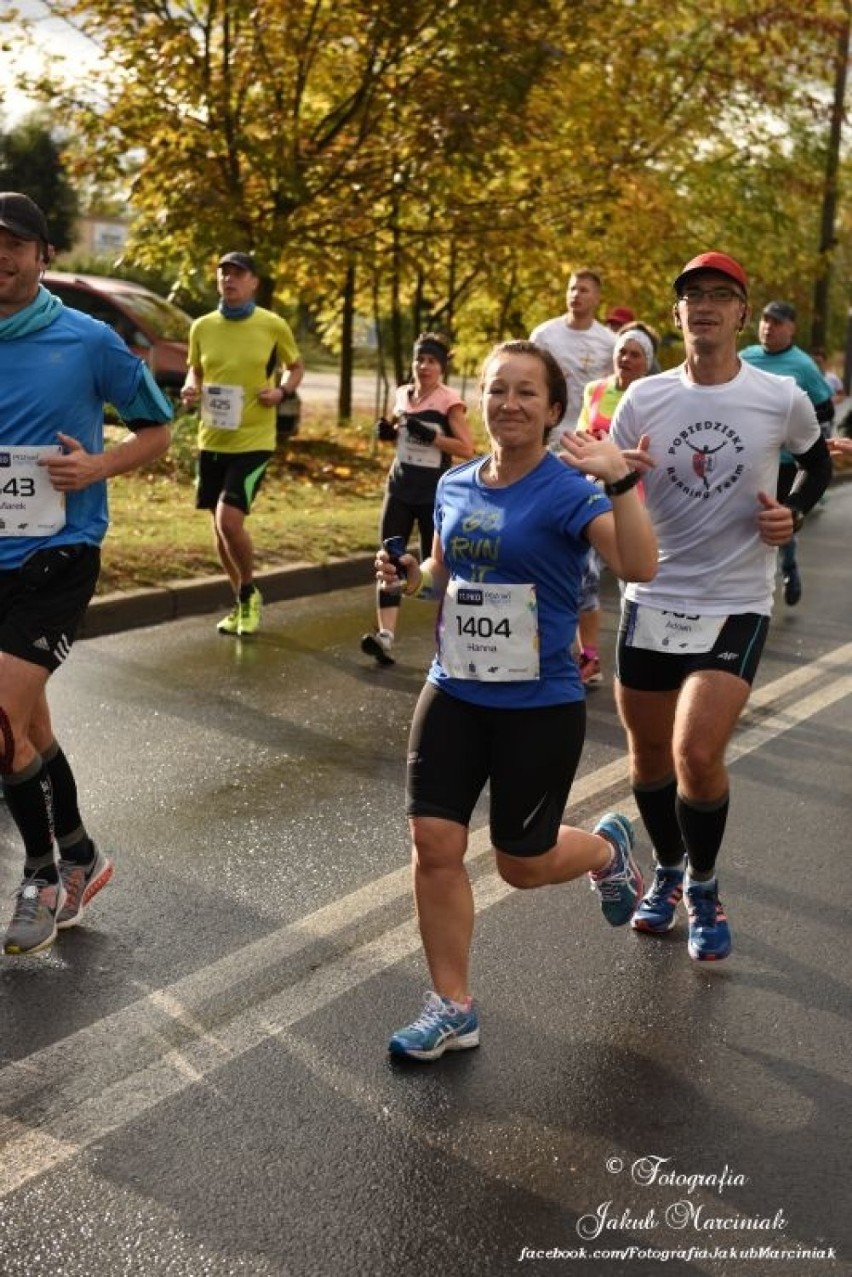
x=320, y=499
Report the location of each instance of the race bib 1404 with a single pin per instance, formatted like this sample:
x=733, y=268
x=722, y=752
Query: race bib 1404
x=489, y=632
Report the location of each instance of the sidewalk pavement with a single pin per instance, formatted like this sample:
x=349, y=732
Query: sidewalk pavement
x=128, y=610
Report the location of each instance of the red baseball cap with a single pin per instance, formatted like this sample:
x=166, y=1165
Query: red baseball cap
x=620, y=315
x=720, y=262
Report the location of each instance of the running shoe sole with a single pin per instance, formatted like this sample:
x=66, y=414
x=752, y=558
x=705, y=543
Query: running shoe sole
x=452, y=1042
x=698, y=956
x=89, y=892
x=641, y=924
x=707, y=957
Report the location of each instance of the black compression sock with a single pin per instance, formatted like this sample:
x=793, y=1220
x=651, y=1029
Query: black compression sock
x=28, y=797
x=67, y=821
x=656, y=803
x=703, y=826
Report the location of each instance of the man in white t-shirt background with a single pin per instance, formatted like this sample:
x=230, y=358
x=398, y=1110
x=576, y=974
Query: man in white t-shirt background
x=580, y=344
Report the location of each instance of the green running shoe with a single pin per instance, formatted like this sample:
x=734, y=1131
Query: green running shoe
x=250, y=612
x=230, y=624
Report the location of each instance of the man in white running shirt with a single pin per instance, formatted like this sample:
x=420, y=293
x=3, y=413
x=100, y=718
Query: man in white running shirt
x=578, y=342
x=690, y=640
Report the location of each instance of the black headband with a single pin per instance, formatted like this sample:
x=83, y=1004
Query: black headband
x=428, y=346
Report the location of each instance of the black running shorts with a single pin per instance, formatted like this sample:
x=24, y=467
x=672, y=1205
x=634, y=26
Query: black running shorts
x=737, y=651
x=43, y=602
x=230, y=477
x=529, y=756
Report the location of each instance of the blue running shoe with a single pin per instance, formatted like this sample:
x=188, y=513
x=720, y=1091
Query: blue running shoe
x=619, y=886
x=440, y=1027
x=709, y=934
x=656, y=910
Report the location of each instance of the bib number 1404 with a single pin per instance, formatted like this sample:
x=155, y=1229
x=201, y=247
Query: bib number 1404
x=483, y=627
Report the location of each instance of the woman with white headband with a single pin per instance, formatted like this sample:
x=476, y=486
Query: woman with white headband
x=633, y=356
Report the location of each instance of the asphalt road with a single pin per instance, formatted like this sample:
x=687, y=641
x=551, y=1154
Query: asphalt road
x=368, y=391
x=195, y=1081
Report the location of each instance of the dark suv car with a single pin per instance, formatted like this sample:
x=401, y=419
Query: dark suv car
x=153, y=328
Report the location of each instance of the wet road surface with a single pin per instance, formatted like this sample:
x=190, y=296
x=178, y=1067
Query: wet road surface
x=195, y=1080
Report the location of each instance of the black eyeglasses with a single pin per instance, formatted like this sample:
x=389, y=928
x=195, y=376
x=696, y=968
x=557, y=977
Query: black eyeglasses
x=719, y=294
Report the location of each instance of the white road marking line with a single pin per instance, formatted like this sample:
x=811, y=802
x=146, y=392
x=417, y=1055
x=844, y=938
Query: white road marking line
x=101, y=1078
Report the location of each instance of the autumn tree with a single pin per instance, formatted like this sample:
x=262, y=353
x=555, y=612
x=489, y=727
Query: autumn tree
x=267, y=125
x=31, y=160
x=448, y=163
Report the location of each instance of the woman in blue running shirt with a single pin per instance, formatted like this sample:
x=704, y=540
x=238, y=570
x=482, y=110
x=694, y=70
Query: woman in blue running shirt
x=504, y=702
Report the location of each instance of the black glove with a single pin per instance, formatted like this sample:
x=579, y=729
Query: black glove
x=420, y=431
x=385, y=431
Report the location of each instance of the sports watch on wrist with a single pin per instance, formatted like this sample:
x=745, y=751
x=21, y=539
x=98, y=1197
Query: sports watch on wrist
x=623, y=484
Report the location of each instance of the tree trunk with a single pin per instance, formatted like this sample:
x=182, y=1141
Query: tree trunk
x=396, y=320
x=819, y=323
x=344, y=400
x=417, y=322
x=382, y=388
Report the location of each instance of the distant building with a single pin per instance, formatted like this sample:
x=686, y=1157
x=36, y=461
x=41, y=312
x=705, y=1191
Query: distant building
x=98, y=236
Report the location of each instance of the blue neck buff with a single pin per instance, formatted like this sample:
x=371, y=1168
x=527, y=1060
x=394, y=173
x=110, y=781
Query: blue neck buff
x=41, y=311
x=237, y=312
